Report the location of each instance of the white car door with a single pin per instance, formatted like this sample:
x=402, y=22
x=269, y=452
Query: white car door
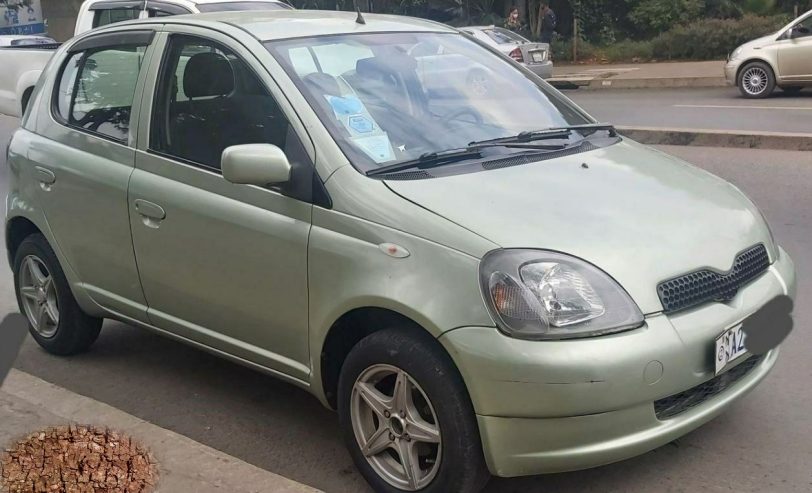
x=795, y=52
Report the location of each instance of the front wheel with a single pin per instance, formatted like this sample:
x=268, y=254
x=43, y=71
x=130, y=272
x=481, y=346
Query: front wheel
x=756, y=80
x=407, y=418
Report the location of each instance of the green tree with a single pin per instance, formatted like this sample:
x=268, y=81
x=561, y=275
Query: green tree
x=652, y=17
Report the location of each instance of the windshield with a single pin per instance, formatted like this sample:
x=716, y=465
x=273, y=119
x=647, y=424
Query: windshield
x=393, y=97
x=227, y=6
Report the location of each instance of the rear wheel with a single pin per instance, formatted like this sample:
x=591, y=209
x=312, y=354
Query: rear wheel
x=756, y=80
x=55, y=320
x=407, y=418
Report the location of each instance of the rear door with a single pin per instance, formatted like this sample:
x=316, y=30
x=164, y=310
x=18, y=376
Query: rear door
x=84, y=158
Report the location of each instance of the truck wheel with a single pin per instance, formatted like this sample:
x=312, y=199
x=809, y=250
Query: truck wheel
x=756, y=80
x=407, y=418
x=55, y=320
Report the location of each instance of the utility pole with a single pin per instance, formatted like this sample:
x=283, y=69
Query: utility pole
x=574, y=38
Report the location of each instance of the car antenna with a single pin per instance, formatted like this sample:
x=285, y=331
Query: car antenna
x=360, y=19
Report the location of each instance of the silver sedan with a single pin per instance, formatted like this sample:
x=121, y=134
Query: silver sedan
x=534, y=56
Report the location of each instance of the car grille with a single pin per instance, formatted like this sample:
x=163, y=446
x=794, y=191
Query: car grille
x=705, y=285
x=673, y=405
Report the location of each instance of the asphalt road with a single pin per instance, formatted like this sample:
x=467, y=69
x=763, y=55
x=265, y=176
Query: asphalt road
x=764, y=443
x=714, y=109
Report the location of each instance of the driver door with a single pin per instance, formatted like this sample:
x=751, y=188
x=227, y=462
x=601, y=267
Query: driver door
x=795, y=53
x=221, y=264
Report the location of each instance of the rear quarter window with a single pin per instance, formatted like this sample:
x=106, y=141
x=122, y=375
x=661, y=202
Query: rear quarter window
x=96, y=89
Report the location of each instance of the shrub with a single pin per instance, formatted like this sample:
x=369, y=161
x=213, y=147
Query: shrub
x=627, y=50
x=708, y=39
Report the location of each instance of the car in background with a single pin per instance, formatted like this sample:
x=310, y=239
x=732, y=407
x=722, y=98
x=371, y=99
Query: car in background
x=781, y=59
x=25, y=40
x=22, y=65
x=534, y=56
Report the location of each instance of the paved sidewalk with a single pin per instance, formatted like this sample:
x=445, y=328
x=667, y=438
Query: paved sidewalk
x=28, y=404
x=639, y=75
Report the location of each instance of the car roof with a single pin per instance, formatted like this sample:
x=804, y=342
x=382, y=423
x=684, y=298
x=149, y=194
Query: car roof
x=284, y=24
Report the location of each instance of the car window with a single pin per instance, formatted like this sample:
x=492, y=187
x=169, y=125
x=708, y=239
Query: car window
x=96, y=90
x=109, y=16
x=209, y=99
x=803, y=28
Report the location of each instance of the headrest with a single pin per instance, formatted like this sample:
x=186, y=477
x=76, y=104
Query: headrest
x=324, y=83
x=208, y=74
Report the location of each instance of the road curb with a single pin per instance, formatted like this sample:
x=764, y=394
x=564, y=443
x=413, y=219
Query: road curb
x=719, y=138
x=28, y=403
x=598, y=83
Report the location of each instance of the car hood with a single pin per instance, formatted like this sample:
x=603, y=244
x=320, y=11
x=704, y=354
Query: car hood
x=640, y=215
x=760, y=42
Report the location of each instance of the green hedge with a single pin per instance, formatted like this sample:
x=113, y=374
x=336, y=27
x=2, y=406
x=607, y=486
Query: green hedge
x=707, y=39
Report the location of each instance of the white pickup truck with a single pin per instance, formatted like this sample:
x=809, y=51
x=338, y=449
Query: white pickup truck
x=22, y=65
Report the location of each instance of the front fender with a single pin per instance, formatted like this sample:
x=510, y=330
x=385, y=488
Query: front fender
x=435, y=286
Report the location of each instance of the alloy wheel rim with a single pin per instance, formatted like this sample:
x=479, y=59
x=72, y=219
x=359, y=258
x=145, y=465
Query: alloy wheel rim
x=38, y=294
x=396, y=427
x=754, y=80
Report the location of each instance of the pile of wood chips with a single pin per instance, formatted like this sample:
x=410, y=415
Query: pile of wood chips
x=77, y=459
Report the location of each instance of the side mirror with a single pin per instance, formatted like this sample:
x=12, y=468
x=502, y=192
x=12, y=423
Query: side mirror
x=255, y=164
x=798, y=31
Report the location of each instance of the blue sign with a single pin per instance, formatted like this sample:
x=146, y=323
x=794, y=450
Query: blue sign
x=361, y=124
x=19, y=18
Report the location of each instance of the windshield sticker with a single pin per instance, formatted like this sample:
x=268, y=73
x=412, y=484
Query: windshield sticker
x=364, y=131
x=377, y=147
x=361, y=124
x=345, y=105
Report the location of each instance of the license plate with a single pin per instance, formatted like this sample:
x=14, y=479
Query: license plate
x=538, y=56
x=729, y=347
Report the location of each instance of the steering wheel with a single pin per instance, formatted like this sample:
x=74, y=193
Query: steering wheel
x=445, y=119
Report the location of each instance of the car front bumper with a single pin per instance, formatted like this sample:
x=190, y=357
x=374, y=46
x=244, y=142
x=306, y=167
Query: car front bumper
x=731, y=69
x=543, y=70
x=553, y=406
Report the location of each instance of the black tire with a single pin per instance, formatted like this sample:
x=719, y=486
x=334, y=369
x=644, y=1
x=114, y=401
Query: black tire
x=75, y=330
x=756, y=71
x=792, y=89
x=462, y=467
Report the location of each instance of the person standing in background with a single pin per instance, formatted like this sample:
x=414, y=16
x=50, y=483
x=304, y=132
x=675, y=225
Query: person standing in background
x=548, y=23
x=513, y=22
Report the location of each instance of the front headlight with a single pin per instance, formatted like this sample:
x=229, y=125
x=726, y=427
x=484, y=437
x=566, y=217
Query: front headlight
x=537, y=294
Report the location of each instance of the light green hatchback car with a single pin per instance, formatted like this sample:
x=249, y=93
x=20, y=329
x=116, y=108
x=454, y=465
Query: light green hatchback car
x=429, y=238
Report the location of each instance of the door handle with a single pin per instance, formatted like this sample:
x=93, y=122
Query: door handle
x=150, y=210
x=45, y=175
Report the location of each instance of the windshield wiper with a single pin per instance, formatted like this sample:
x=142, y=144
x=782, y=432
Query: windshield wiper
x=549, y=133
x=430, y=160
x=434, y=159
